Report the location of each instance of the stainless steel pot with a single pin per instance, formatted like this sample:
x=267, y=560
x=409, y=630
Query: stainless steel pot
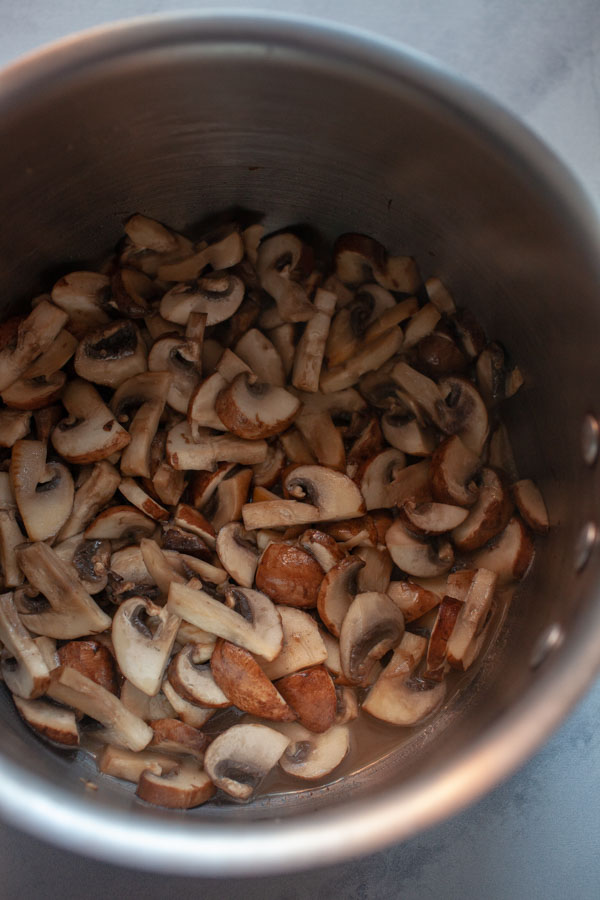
x=181, y=116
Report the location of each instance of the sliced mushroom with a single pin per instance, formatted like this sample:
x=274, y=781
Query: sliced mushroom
x=407, y=435
x=323, y=438
x=194, y=680
x=283, y=338
x=261, y=357
x=90, y=498
x=72, y=612
x=413, y=599
x=296, y=447
x=14, y=425
x=93, y=660
x=490, y=514
x=84, y=297
x=120, y=523
x=440, y=296
x=10, y=534
x=323, y=547
x=310, y=756
x=55, y=723
x=458, y=583
x=173, y=736
x=289, y=575
x=311, y=346
x=218, y=294
x=91, y=432
x=23, y=668
x=377, y=570
x=441, y=633
x=437, y=355
x=333, y=493
x=422, y=390
x=360, y=532
x=243, y=681
x=350, y=325
x=415, y=556
x=391, y=317
x=371, y=356
x=201, y=411
x=204, y=484
x=346, y=705
x=35, y=334
x=463, y=413
x=468, y=633
x=181, y=358
x=509, y=554
x=148, y=234
x=377, y=478
x=255, y=410
x=337, y=591
x=252, y=622
x=237, y=553
x=279, y=259
x=143, y=635
x=146, y=707
x=183, y=787
x=530, y=504
x=469, y=332
x=277, y=514
x=359, y=258
x=302, y=646
x=453, y=468
x=232, y=494
x=372, y=626
x=191, y=520
x=126, y=764
x=183, y=452
x=111, y=354
x=239, y=759
x=190, y=713
x=311, y=695
x=91, y=560
x=222, y=253
x=427, y=519
x=139, y=402
x=421, y=324
x=398, y=696
x=43, y=491
x=120, y=726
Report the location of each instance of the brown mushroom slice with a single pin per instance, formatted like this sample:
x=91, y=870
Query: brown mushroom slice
x=138, y=497
x=311, y=756
x=232, y=494
x=463, y=412
x=237, y=553
x=420, y=389
x=93, y=660
x=190, y=713
x=531, y=506
x=377, y=570
x=421, y=324
x=377, y=476
x=218, y=294
x=441, y=633
x=204, y=484
x=452, y=472
x=139, y=402
x=95, y=492
x=181, y=358
x=302, y=645
x=350, y=325
x=204, y=571
x=371, y=356
x=84, y=297
x=54, y=723
x=346, y=710
x=22, y=665
x=14, y=425
x=253, y=622
x=311, y=346
x=193, y=679
x=323, y=438
x=337, y=591
x=323, y=547
x=433, y=518
x=296, y=448
x=73, y=612
x=359, y=258
x=311, y=695
x=255, y=410
x=491, y=374
x=190, y=519
x=129, y=766
x=35, y=334
x=407, y=435
x=416, y=556
x=267, y=473
x=146, y=707
x=91, y=560
x=238, y=760
x=413, y=599
x=223, y=253
x=398, y=697
x=490, y=514
x=360, y=532
x=261, y=357
x=289, y=575
x=245, y=684
x=372, y=626
x=10, y=533
x=291, y=298
x=120, y=726
x=148, y=234
x=201, y=411
x=283, y=338
x=47, y=364
x=90, y=432
x=468, y=633
x=173, y=736
x=120, y=523
x=437, y=355
x=133, y=292
x=112, y=354
x=334, y=494
x=277, y=514
x=183, y=452
x=500, y=453
x=509, y=554
x=440, y=296
x=168, y=484
x=184, y=787
x=143, y=635
x=34, y=393
x=459, y=582
x=43, y=491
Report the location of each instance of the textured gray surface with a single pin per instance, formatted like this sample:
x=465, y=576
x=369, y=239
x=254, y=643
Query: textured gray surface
x=538, y=835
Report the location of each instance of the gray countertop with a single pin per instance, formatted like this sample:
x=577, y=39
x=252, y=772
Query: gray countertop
x=538, y=835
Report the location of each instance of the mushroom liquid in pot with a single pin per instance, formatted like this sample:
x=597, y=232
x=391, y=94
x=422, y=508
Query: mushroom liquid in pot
x=267, y=501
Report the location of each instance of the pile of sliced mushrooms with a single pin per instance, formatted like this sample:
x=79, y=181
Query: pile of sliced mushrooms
x=248, y=495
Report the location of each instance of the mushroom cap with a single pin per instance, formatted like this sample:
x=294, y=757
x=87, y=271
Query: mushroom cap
x=34, y=335
x=84, y=297
x=337, y=591
x=201, y=410
x=218, y=294
x=311, y=756
x=29, y=393
x=52, y=722
x=255, y=410
x=372, y=626
x=323, y=438
x=372, y=355
x=184, y=787
x=334, y=494
x=91, y=560
x=267, y=473
x=14, y=425
x=196, y=716
x=93, y=660
x=238, y=554
x=239, y=758
x=91, y=432
x=311, y=695
x=245, y=684
x=277, y=514
x=232, y=494
x=195, y=681
x=407, y=435
x=417, y=556
x=441, y=633
x=43, y=491
x=289, y=575
x=174, y=736
x=111, y=354
x=143, y=654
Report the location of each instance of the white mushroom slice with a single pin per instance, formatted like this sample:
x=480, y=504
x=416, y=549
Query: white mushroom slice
x=391, y=317
x=398, y=697
x=337, y=591
x=239, y=759
x=120, y=523
x=407, y=435
x=371, y=356
x=73, y=613
x=334, y=494
x=148, y=234
x=372, y=626
x=302, y=646
x=346, y=706
x=181, y=358
x=14, y=425
x=359, y=258
x=111, y=354
x=168, y=484
x=311, y=347
x=190, y=519
x=43, y=491
x=283, y=338
x=530, y=504
x=120, y=726
x=323, y=438
x=440, y=296
x=23, y=668
x=34, y=394
x=139, y=498
x=490, y=514
x=146, y=707
x=201, y=409
x=296, y=448
x=232, y=494
x=311, y=756
x=139, y=402
x=218, y=294
x=253, y=622
x=413, y=599
x=143, y=635
x=377, y=570
x=377, y=478
x=292, y=301
x=204, y=571
x=416, y=556
x=91, y=560
x=91, y=432
x=238, y=553
x=446, y=620
x=159, y=567
x=189, y=713
x=10, y=534
x=223, y=253
x=277, y=514
x=335, y=403
x=127, y=764
x=90, y=498
x=463, y=413
x=174, y=736
x=35, y=335
x=468, y=634
x=510, y=554
x=184, y=787
x=194, y=681
x=458, y=584
x=453, y=468
x=261, y=357
x=350, y=325
x=323, y=547
x=432, y=518
x=52, y=722
x=207, y=449
x=84, y=297
x=421, y=389
x=267, y=473
x=255, y=409
x=421, y=324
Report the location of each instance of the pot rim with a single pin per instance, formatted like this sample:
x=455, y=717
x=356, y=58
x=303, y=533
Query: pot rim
x=356, y=827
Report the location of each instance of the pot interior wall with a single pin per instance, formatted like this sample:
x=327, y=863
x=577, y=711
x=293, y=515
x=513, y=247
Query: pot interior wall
x=183, y=133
